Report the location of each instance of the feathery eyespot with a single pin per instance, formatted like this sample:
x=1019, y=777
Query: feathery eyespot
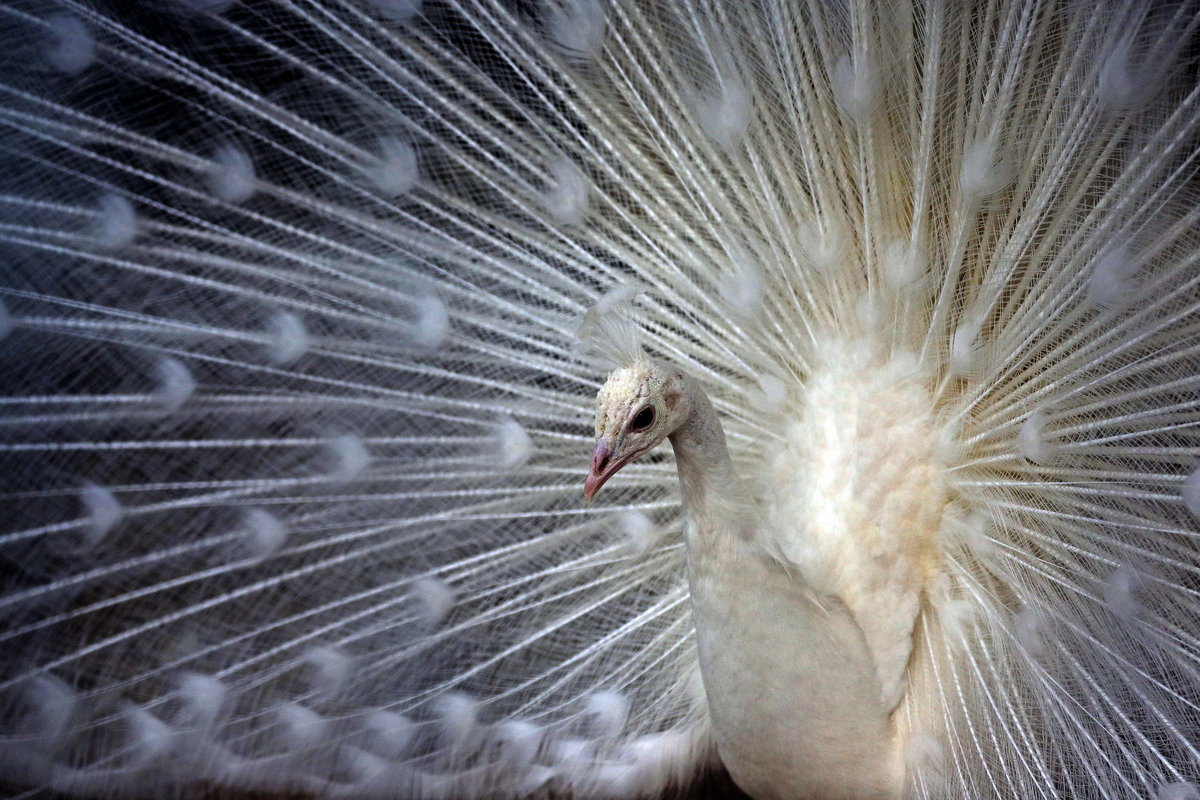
x=230, y=176
x=394, y=172
x=741, y=286
x=1123, y=83
x=150, y=737
x=73, y=47
x=1033, y=442
x=856, y=85
x=347, y=457
x=102, y=512
x=302, y=311
x=390, y=734
x=1121, y=589
x=965, y=345
x=263, y=534
x=1031, y=629
x=287, y=338
x=904, y=263
x=331, y=669
x=984, y=171
x=1180, y=790
x=458, y=722
x=512, y=443
x=205, y=700
x=608, y=712
x=567, y=198
x=1111, y=281
x=53, y=705
x=300, y=728
x=117, y=224
x=431, y=327
x=638, y=531
x=176, y=385
x=435, y=598
x=578, y=26
x=824, y=242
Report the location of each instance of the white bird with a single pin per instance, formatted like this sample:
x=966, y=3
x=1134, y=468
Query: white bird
x=798, y=689
x=303, y=305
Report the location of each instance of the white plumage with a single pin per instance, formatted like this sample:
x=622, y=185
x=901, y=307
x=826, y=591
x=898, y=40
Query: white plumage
x=304, y=306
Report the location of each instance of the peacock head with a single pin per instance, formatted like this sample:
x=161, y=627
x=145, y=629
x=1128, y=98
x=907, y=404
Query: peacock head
x=639, y=405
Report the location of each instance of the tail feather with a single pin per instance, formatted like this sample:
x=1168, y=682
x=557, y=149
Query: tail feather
x=294, y=421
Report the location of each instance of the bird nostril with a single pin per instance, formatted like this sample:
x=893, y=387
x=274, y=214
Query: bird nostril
x=600, y=458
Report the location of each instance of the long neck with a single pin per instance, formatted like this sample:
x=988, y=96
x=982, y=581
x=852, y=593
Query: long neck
x=715, y=500
x=791, y=685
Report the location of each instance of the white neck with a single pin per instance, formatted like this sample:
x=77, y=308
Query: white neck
x=709, y=485
x=792, y=690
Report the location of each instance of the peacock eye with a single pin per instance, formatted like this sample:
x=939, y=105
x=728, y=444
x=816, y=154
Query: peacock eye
x=643, y=420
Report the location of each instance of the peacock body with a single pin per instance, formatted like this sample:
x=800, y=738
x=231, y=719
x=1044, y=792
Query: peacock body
x=304, y=306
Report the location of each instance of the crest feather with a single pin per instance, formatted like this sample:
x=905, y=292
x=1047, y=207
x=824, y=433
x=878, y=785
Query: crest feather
x=608, y=333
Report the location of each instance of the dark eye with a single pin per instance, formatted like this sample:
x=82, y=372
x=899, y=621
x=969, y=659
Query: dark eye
x=643, y=420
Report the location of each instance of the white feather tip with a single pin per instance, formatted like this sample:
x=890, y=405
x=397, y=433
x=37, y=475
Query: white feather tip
x=566, y=199
x=175, y=384
x=577, y=27
x=856, y=86
x=607, y=711
x=1112, y=281
x=300, y=729
x=72, y=47
x=388, y=734
x=348, y=457
x=458, y=717
x=394, y=171
x=741, y=286
x=513, y=445
x=203, y=700
x=117, y=224
x=435, y=600
x=287, y=338
x=725, y=111
x=330, y=669
x=638, y=531
x=230, y=177
x=150, y=738
x=52, y=705
x=264, y=534
x=101, y=512
x=1032, y=440
x=984, y=171
x=1121, y=592
x=432, y=325
x=1122, y=85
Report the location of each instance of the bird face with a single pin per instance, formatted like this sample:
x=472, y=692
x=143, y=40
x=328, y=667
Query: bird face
x=636, y=409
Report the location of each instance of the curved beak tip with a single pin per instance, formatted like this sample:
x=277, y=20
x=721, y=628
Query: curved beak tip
x=602, y=469
x=590, y=487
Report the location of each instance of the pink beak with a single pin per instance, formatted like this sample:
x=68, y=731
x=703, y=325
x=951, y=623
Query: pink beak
x=604, y=466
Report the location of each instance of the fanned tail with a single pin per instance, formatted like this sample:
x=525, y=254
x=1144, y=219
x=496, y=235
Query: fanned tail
x=294, y=421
